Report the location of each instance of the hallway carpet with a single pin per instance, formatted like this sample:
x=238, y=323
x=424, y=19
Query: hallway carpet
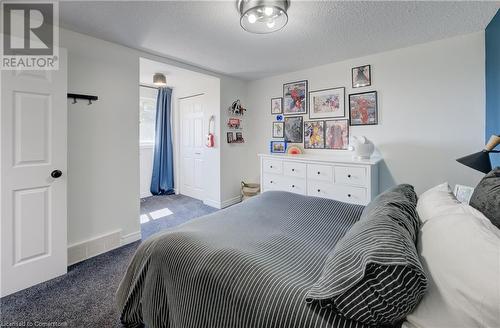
x=85, y=296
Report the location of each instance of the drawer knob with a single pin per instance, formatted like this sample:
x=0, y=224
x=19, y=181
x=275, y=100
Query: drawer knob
x=319, y=190
x=319, y=172
x=348, y=175
x=271, y=181
x=348, y=195
x=271, y=166
x=293, y=186
x=293, y=170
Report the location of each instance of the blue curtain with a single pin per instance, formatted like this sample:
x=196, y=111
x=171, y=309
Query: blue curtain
x=162, y=182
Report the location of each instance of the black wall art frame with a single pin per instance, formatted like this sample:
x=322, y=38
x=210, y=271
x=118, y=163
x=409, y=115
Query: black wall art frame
x=294, y=129
x=276, y=105
x=363, y=108
x=295, y=98
x=361, y=76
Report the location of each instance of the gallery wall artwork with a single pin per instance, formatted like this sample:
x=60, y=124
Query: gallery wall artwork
x=293, y=129
x=328, y=103
x=314, y=134
x=363, y=108
x=330, y=121
x=337, y=134
x=295, y=98
x=277, y=105
x=361, y=76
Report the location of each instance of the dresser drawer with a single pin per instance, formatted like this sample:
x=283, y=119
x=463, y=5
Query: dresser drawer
x=321, y=189
x=273, y=182
x=350, y=175
x=294, y=169
x=272, y=165
x=295, y=185
x=320, y=172
x=348, y=194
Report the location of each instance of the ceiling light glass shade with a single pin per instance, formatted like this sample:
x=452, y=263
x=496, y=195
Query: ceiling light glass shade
x=159, y=79
x=263, y=16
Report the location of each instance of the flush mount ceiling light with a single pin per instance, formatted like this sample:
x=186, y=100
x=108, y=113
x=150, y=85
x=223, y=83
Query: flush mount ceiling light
x=159, y=79
x=263, y=16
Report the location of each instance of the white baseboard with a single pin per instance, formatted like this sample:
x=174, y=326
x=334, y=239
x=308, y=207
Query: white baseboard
x=212, y=203
x=86, y=249
x=223, y=204
x=231, y=201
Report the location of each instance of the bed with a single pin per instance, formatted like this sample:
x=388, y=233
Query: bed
x=246, y=266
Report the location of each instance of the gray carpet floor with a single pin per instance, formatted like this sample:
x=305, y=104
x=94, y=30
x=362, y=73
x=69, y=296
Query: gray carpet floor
x=85, y=296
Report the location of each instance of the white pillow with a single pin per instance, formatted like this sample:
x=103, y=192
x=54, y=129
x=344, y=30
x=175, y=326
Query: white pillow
x=461, y=255
x=439, y=201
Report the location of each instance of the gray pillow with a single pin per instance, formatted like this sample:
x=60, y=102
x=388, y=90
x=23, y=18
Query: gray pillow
x=398, y=203
x=486, y=196
x=374, y=274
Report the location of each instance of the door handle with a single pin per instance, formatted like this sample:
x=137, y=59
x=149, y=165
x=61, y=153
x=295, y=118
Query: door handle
x=56, y=174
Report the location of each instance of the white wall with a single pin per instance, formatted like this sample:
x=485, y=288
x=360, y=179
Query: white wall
x=103, y=141
x=431, y=109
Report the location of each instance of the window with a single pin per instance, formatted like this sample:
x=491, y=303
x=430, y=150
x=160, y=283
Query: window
x=147, y=115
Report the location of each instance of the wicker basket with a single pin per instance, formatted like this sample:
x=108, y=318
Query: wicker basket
x=249, y=189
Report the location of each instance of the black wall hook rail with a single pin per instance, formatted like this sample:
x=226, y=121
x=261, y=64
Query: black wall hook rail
x=76, y=96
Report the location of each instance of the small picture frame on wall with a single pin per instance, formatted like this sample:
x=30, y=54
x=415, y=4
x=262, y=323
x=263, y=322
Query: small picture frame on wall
x=278, y=129
x=361, y=76
x=278, y=146
x=363, y=108
x=294, y=129
x=230, y=137
x=327, y=103
x=295, y=98
x=337, y=134
x=277, y=105
x=314, y=134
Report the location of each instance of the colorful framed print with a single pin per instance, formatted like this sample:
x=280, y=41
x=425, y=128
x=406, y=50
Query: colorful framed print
x=363, y=108
x=230, y=137
x=327, y=103
x=361, y=76
x=295, y=98
x=277, y=105
x=278, y=146
x=294, y=129
x=337, y=134
x=278, y=130
x=314, y=134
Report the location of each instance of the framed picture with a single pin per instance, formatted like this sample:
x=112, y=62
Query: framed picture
x=239, y=137
x=278, y=146
x=278, y=130
x=295, y=98
x=361, y=76
x=328, y=103
x=337, y=134
x=230, y=137
x=277, y=105
x=314, y=134
x=363, y=108
x=294, y=129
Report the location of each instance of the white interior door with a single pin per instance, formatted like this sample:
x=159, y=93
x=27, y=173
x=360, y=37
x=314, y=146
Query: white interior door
x=192, y=141
x=33, y=202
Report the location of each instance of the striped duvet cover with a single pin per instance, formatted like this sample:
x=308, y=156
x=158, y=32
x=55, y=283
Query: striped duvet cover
x=246, y=266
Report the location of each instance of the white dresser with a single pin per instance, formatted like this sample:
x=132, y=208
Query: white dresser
x=336, y=177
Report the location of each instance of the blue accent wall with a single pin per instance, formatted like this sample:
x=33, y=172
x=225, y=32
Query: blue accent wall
x=493, y=82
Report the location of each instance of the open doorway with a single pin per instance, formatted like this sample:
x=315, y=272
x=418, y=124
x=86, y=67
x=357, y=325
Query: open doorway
x=195, y=98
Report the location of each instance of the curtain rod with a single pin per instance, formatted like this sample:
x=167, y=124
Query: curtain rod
x=148, y=86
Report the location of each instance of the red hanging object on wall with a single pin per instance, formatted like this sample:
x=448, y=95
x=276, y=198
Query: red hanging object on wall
x=210, y=143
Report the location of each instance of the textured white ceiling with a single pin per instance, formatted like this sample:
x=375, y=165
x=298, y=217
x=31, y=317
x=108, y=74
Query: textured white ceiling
x=207, y=33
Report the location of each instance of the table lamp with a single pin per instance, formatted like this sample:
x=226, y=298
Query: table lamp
x=481, y=160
